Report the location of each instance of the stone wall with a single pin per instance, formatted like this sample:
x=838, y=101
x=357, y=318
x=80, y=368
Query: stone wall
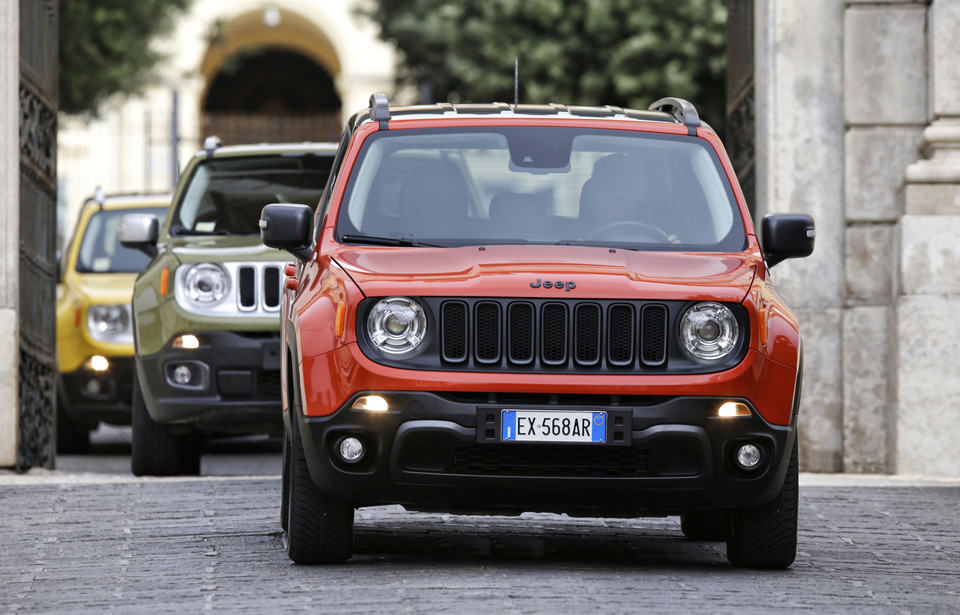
x=927, y=399
x=9, y=227
x=849, y=96
x=799, y=132
x=885, y=105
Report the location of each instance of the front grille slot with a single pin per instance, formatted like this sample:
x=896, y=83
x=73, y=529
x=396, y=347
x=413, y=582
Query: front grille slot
x=552, y=335
x=248, y=287
x=488, y=332
x=271, y=287
x=453, y=322
x=520, y=332
x=588, y=334
x=654, y=337
x=620, y=335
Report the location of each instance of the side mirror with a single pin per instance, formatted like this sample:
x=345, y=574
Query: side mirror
x=140, y=232
x=787, y=236
x=286, y=226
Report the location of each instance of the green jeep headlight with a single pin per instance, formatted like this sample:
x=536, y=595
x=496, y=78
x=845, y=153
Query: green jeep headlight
x=205, y=285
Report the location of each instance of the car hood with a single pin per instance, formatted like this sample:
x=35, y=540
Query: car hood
x=223, y=248
x=100, y=288
x=537, y=271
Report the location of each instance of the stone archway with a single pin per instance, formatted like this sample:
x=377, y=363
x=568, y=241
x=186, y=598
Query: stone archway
x=270, y=77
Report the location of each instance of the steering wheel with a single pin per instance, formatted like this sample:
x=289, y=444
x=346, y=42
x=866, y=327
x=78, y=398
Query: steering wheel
x=624, y=227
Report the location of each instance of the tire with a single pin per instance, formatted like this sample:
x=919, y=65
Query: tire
x=155, y=451
x=766, y=537
x=72, y=437
x=319, y=525
x=706, y=525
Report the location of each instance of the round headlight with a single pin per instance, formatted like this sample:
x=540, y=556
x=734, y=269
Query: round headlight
x=396, y=325
x=205, y=285
x=709, y=331
x=109, y=323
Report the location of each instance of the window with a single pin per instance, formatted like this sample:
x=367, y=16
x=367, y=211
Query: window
x=100, y=249
x=548, y=185
x=226, y=195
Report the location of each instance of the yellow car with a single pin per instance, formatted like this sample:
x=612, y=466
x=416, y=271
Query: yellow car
x=94, y=328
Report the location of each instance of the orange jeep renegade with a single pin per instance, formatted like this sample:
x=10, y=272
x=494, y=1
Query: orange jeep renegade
x=502, y=308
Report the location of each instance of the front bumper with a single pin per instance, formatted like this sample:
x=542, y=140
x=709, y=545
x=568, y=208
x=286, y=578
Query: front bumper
x=441, y=451
x=89, y=396
x=234, y=384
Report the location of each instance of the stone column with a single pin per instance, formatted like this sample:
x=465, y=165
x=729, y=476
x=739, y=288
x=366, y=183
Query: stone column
x=799, y=137
x=928, y=291
x=9, y=228
x=885, y=105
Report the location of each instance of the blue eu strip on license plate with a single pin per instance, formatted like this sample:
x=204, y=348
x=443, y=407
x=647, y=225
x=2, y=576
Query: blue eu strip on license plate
x=553, y=426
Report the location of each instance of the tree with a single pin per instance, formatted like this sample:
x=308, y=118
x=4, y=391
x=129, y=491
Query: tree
x=613, y=52
x=105, y=48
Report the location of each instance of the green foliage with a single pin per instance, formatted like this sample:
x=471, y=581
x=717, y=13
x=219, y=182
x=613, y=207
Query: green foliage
x=611, y=52
x=105, y=48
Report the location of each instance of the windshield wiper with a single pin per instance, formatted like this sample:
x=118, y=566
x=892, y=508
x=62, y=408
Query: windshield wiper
x=386, y=241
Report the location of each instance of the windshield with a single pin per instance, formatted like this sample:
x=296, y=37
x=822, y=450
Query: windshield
x=548, y=185
x=225, y=196
x=100, y=249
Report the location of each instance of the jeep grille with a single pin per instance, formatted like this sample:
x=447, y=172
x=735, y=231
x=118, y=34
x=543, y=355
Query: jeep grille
x=554, y=333
x=258, y=287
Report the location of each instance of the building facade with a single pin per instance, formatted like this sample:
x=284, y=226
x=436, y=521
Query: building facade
x=845, y=109
x=245, y=70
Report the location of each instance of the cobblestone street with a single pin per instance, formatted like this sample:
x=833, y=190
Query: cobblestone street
x=97, y=543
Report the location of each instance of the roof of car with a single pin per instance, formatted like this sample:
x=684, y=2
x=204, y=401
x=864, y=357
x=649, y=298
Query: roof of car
x=261, y=149
x=666, y=110
x=130, y=200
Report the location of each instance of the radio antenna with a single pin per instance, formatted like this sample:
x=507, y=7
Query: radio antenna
x=516, y=82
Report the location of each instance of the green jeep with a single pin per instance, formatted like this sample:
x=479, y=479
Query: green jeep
x=206, y=309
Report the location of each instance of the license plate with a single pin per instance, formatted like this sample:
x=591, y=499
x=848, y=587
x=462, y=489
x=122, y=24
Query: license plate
x=553, y=426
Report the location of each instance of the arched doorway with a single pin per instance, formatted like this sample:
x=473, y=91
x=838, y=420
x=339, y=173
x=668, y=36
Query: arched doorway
x=270, y=80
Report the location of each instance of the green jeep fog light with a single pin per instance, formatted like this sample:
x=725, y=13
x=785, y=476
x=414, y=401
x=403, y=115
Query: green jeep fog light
x=182, y=375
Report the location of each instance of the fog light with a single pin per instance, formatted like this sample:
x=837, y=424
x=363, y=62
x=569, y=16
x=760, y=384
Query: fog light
x=351, y=449
x=749, y=456
x=93, y=387
x=182, y=375
x=732, y=409
x=371, y=403
x=186, y=341
x=99, y=364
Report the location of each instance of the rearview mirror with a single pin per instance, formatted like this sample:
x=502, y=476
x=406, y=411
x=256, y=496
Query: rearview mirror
x=787, y=236
x=286, y=226
x=140, y=232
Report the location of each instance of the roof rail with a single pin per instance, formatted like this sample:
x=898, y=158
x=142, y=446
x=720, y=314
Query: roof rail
x=380, y=109
x=682, y=110
x=210, y=145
